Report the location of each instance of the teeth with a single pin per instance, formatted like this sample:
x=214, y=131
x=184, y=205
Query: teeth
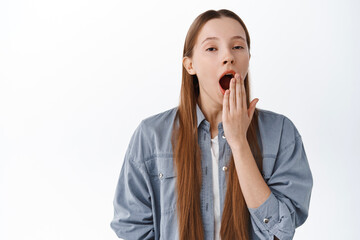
x=229, y=74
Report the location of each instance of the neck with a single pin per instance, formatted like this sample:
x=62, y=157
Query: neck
x=212, y=113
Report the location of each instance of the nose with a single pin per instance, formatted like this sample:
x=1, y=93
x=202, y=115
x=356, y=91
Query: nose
x=228, y=58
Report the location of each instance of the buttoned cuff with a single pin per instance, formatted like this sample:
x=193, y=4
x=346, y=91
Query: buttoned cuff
x=267, y=214
x=273, y=216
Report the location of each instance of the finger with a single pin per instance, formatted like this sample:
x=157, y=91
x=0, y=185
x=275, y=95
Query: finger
x=252, y=108
x=226, y=103
x=232, y=100
x=238, y=91
x=243, y=93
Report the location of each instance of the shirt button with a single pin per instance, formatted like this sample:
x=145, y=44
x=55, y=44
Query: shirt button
x=223, y=136
x=161, y=175
x=224, y=168
x=266, y=220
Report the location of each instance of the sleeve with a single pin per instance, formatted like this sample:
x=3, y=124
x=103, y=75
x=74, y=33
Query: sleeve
x=290, y=183
x=133, y=218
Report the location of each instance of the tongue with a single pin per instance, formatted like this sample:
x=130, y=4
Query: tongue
x=225, y=82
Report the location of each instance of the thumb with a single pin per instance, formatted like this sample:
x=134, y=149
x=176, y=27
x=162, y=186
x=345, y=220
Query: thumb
x=252, y=107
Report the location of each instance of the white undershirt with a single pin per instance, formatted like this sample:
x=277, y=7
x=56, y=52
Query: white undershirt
x=215, y=167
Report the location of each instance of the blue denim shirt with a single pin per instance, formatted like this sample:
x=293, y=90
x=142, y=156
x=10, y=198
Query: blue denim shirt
x=145, y=198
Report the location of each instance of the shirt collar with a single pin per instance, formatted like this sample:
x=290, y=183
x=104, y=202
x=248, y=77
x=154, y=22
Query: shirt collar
x=200, y=117
x=199, y=114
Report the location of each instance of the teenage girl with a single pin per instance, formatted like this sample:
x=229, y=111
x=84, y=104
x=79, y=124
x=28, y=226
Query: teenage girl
x=215, y=166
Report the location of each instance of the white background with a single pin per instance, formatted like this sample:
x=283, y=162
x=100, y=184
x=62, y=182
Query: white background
x=77, y=77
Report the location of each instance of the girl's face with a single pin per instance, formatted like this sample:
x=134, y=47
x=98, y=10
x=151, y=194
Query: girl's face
x=220, y=46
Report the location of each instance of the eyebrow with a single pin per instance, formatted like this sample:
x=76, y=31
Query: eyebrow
x=215, y=38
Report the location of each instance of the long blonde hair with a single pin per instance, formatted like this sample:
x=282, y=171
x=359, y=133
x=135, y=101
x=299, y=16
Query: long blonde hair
x=235, y=220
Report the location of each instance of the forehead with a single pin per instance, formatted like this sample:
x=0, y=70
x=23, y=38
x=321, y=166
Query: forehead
x=223, y=28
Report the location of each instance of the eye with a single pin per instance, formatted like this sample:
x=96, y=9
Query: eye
x=238, y=47
x=209, y=49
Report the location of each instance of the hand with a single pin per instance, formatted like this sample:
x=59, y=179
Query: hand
x=235, y=116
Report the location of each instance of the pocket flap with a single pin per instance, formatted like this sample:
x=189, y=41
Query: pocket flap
x=161, y=166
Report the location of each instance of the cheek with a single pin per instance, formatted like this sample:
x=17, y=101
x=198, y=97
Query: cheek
x=244, y=67
x=244, y=63
x=205, y=67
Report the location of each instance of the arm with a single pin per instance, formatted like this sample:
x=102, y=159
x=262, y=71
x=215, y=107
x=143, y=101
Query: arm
x=290, y=188
x=253, y=186
x=291, y=184
x=133, y=217
x=280, y=204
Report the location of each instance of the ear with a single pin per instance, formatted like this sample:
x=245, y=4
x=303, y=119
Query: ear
x=249, y=56
x=188, y=65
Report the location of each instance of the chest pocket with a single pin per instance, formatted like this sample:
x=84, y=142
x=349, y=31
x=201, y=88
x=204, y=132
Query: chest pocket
x=161, y=166
x=163, y=178
x=268, y=167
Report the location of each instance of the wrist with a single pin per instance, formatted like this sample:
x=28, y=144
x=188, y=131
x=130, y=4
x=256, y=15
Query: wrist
x=239, y=145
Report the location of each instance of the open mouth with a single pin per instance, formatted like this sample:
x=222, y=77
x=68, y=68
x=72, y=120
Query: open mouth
x=225, y=82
